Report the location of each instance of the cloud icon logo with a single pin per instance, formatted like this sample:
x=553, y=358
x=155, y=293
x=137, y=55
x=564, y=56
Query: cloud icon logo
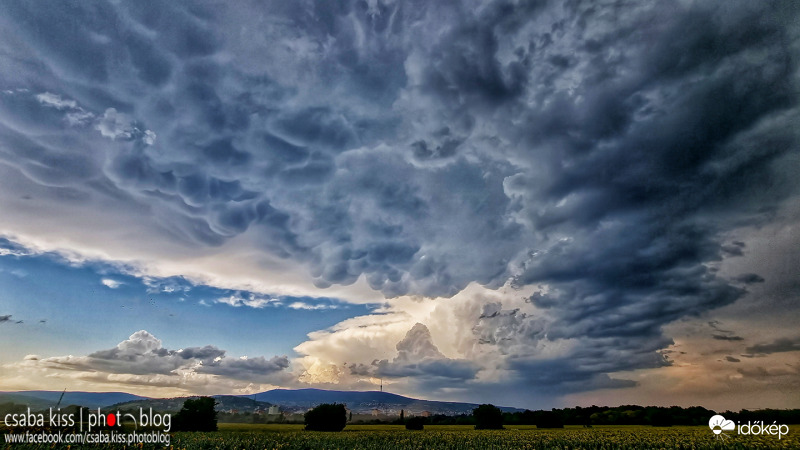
x=718, y=424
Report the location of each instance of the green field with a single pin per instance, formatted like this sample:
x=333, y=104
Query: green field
x=387, y=437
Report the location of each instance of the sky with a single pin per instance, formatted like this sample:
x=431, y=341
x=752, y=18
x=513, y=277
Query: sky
x=531, y=204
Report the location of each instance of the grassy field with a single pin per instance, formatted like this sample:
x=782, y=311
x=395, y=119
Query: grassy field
x=388, y=437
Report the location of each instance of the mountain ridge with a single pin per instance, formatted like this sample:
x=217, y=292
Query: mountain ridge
x=82, y=398
x=365, y=401
x=289, y=400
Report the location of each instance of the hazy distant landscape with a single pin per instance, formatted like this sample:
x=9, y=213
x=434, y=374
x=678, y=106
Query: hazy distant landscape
x=246, y=423
x=290, y=401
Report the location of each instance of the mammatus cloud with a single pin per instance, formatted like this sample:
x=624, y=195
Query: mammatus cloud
x=599, y=159
x=229, y=164
x=142, y=358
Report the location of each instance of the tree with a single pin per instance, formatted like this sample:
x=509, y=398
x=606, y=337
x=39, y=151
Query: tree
x=659, y=417
x=402, y=415
x=326, y=417
x=488, y=417
x=415, y=423
x=197, y=414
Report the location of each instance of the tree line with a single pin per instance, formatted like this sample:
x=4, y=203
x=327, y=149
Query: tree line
x=199, y=415
x=489, y=416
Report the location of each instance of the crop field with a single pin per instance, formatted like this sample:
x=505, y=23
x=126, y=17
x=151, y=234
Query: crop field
x=388, y=437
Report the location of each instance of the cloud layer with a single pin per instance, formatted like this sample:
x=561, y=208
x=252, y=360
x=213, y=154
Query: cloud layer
x=141, y=360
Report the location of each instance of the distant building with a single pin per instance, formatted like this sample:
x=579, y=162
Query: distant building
x=425, y=414
x=376, y=412
x=274, y=409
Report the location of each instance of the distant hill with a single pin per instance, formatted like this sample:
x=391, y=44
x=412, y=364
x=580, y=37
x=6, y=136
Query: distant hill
x=364, y=402
x=224, y=403
x=46, y=399
x=21, y=399
x=289, y=400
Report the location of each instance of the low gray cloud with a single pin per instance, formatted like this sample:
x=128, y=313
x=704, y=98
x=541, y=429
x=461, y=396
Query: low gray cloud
x=206, y=354
x=419, y=358
x=749, y=278
x=255, y=369
x=776, y=346
x=721, y=334
x=722, y=337
x=143, y=354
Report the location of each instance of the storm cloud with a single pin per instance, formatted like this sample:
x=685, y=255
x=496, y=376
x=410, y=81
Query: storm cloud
x=596, y=157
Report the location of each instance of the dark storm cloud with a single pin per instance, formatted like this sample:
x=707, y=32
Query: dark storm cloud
x=722, y=337
x=424, y=371
x=776, y=346
x=253, y=369
x=205, y=354
x=733, y=249
x=637, y=161
x=601, y=152
x=749, y=278
x=722, y=334
x=561, y=376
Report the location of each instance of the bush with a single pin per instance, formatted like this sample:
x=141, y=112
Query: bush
x=549, y=419
x=415, y=423
x=197, y=414
x=488, y=417
x=326, y=417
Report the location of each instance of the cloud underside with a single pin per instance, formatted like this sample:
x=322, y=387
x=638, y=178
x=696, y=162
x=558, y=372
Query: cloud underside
x=595, y=159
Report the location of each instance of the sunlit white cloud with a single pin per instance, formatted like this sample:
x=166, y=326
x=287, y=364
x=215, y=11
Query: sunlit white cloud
x=55, y=101
x=304, y=305
x=111, y=283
